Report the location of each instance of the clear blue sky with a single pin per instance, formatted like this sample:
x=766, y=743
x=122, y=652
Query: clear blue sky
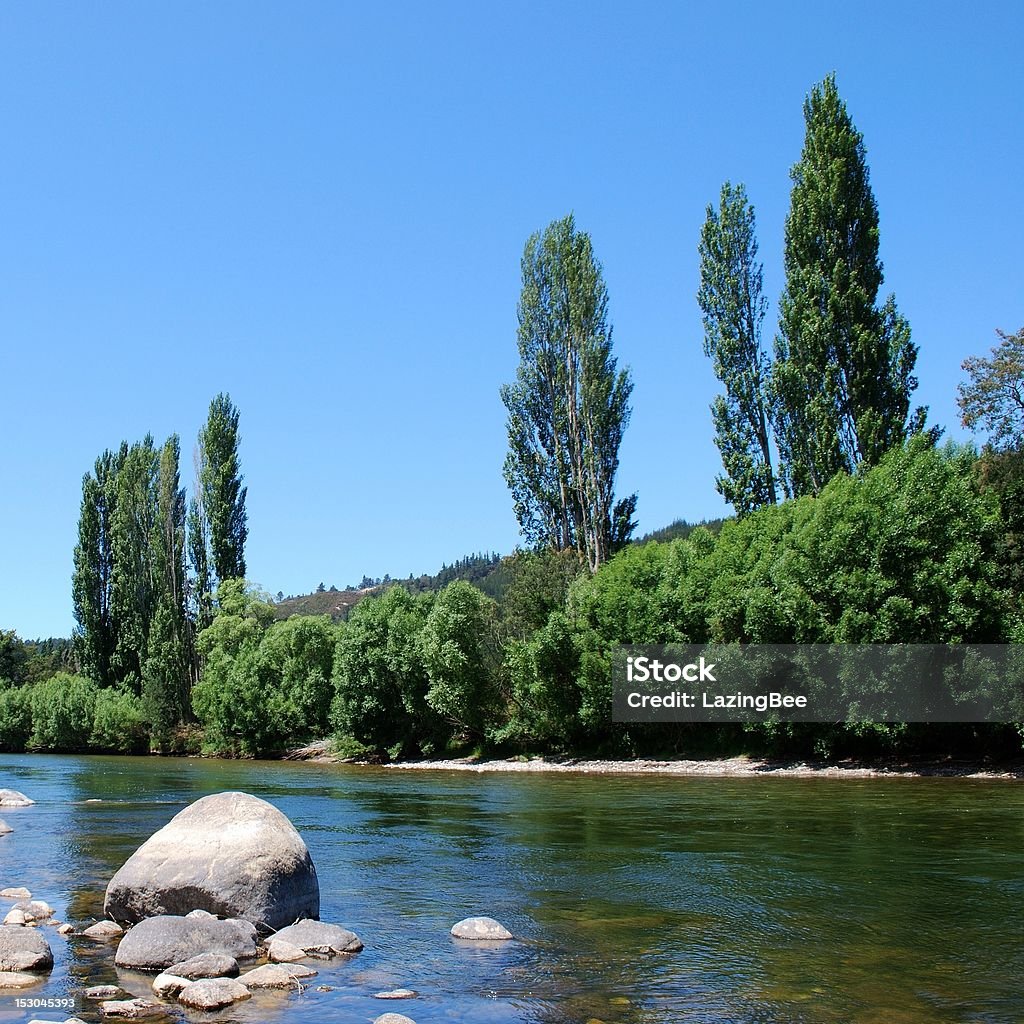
x=320, y=208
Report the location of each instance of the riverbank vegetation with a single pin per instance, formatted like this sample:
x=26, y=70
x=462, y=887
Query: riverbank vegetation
x=853, y=524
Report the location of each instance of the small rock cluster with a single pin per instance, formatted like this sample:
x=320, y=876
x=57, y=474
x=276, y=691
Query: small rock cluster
x=195, y=913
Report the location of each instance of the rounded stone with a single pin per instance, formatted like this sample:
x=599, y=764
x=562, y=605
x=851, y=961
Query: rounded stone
x=320, y=937
x=206, y=965
x=158, y=942
x=167, y=985
x=130, y=1008
x=12, y=798
x=230, y=854
x=212, y=993
x=393, y=1018
x=103, y=931
x=101, y=992
x=480, y=928
x=17, y=979
x=23, y=949
x=269, y=976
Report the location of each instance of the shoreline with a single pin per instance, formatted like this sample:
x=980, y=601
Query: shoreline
x=730, y=767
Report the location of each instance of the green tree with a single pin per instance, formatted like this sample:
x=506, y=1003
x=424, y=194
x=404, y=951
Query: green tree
x=62, y=713
x=219, y=517
x=13, y=659
x=133, y=585
x=733, y=308
x=15, y=718
x=843, y=372
x=231, y=696
x=165, y=676
x=380, y=680
x=994, y=396
x=93, y=571
x=458, y=658
x=569, y=404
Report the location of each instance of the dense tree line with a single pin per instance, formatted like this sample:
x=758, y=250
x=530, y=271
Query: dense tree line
x=134, y=654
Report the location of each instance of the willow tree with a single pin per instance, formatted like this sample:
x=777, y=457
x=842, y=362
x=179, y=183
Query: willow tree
x=569, y=404
x=733, y=307
x=844, y=364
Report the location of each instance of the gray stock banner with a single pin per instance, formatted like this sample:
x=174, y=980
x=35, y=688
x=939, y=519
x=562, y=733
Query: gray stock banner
x=819, y=683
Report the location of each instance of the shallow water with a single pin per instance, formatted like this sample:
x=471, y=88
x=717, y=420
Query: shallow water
x=634, y=900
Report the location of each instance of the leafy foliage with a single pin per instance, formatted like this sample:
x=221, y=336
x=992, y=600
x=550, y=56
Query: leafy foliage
x=994, y=397
x=733, y=308
x=62, y=713
x=380, y=680
x=569, y=404
x=843, y=373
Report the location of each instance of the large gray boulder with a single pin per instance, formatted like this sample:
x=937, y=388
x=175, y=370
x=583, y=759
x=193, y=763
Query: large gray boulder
x=158, y=942
x=23, y=949
x=231, y=854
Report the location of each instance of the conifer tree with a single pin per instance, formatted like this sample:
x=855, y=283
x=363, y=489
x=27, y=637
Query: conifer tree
x=733, y=308
x=843, y=372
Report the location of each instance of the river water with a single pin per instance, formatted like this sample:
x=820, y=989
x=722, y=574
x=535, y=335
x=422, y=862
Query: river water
x=634, y=900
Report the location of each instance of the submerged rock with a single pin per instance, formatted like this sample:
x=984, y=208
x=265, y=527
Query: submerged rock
x=269, y=976
x=103, y=931
x=396, y=993
x=320, y=938
x=212, y=993
x=158, y=942
x=12, y=798
x=17, y=979
x=4, y=827
x=130, y=1008
x=23, y=949
x=480, y=928
x=101, y=992
x=230, y=854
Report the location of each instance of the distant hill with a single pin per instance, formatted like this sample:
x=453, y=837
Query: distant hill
x=679, y=528
x=488, y=572
x=336, y=603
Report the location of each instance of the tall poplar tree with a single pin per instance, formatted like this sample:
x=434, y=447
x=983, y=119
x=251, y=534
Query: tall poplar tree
x=218, y=515
x=165, y=680
x=569, y=404
x=93, y=571
x=133, y=586
x=733, y=308
x=843, y=372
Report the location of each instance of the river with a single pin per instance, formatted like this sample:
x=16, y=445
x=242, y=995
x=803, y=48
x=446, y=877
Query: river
x=634, y=900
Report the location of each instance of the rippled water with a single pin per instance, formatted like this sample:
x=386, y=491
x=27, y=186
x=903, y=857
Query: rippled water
x=634, y=899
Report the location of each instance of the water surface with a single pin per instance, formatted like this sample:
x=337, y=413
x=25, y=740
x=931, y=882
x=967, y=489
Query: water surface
x=634, y=900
